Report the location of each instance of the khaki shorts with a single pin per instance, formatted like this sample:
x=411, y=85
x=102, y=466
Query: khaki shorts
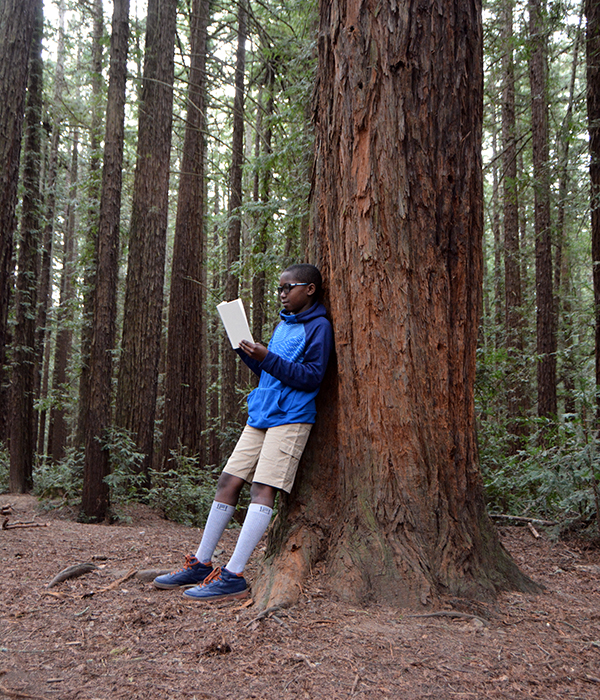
x=269, y=456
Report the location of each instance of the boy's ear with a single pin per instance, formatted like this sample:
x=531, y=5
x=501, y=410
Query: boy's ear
x=311, y=289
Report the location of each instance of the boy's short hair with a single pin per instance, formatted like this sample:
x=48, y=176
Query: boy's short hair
x=304, y=272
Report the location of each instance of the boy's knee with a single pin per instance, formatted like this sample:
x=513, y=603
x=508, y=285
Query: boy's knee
x=263, y=494
x=228, y=489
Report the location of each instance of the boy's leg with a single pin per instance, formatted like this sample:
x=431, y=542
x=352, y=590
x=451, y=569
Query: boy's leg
x=238, y=470
x=255, y=525
x=197, y=568
x=221, y=512
x=276, y=469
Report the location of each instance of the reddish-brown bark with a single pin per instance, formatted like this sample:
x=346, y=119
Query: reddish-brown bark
x=545, y=317
x=24, y=365
x=230, y=405
x=95, y=497
x=592, y=11
x=142, y=316
x=391, y=493
x=186, y=360
x=16, y=31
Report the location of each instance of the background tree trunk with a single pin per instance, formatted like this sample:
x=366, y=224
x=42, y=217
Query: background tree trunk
x=230, y=408
x=546, y=319
x=58, y=430
x=45, y=284
x=393, y=497
x=16, y=32
x=186, y=361
x=142, y=319
x=24, y=364
x=95, y=496
x=513, y=313
x=90, y=247
x=592, y=11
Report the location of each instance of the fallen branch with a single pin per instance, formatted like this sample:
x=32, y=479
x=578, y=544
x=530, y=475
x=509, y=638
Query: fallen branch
x=72, y=572
x=115, y=584
x=521, y=520
x=18, y=524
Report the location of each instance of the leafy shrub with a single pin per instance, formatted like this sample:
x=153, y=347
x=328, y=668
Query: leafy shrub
x=62, y=479
x=4, y=468
x=185, y=493
x=558, y=480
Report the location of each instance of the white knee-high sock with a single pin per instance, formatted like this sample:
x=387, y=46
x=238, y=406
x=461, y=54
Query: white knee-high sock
x=218, y=519
x=255, y=525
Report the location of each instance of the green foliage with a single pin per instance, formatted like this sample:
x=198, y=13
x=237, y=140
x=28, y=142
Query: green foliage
x=4, y=468
x=555, y=476
x=184, y=493
x=126, y=479
x=62, y=479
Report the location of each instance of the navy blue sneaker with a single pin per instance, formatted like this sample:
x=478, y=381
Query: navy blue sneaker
x=193, y=573
x=220, y=585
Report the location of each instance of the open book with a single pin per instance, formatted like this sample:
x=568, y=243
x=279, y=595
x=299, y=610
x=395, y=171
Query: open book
x=234, y=319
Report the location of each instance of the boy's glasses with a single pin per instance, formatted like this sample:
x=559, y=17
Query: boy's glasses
x=287, y=288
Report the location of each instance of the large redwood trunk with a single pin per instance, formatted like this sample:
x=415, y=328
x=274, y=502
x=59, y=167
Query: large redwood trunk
x=391, y=494
x=16, y=32
x=186, y=361
x=142, y=316
x=95, y=496
x=24, y=366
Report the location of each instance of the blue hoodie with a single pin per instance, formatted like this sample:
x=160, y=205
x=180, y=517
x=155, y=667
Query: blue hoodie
x=292, y=372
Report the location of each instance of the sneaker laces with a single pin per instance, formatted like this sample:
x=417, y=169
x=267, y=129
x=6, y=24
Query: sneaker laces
x=215, y=575
x=190, y=561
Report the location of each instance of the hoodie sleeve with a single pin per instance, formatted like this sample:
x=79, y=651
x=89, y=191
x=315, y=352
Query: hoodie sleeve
x=308, y=374
x=247, y=360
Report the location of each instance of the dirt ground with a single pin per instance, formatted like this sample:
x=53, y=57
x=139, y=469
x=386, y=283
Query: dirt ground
x=109, y=634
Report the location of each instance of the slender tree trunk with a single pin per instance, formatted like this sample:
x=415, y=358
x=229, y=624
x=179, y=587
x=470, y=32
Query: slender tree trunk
x=58, y=428
x=562, y=266
x=17, y=21
x=513, y=313
x=45, y=286
x=546, y=318
x=95, y=497
x=262, y=193
x=229, y=403
x=499, y=291
x=24, y=365
x=142, y=320
x=390, y=492
x=592, y=11
x=214, y=414
x=90, y=247
x=186, y=361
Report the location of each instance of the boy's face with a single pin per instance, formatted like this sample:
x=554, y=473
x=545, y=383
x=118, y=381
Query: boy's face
x=299, y=298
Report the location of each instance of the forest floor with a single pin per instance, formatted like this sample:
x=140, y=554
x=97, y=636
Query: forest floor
x=109, y=634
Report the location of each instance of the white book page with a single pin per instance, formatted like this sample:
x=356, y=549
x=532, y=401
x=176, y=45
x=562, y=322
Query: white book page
x=235, y=321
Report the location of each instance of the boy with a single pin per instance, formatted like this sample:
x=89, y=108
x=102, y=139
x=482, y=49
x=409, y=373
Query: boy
x=281, y=412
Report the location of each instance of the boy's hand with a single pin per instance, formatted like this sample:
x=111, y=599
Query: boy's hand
x=256, y=351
